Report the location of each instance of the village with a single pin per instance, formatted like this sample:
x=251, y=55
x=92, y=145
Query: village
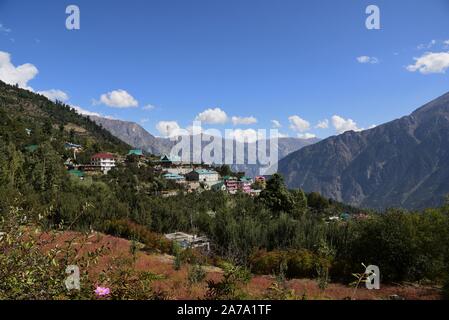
x=190, y=177
x=181, y=177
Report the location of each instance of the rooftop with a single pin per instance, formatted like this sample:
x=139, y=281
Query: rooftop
x=205, y=171
x=76, y=173
x=171, y=158
x=103, y=156
x=173, y=176
x=135, y=152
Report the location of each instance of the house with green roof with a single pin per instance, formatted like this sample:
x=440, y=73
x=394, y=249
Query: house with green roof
x=203, y=175
x=77, y=173
x=170, y=159
x=174, y=177
x=135, y=152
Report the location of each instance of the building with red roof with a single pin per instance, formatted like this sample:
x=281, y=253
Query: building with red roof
x=105, y=161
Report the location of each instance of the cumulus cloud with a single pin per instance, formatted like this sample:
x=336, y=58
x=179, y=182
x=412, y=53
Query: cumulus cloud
x=276, y=124
x=243, y=121
x=212, y=116
x=168, y=128
x=324, y=124
x=298, y=124
x=248, y=135
x=342, y=125
x=119, y=99
x=306, y=136
x=55, y=95
x=367, y=59
x=13, y=75
x=446, y=43
x=431, y=62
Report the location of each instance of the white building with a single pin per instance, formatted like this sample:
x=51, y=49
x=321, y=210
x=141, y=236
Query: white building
x=189, y=241
x=105, y=161
x=203, y=175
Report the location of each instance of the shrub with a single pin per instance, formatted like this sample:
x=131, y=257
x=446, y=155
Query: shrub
x=263, y=262
x=301, y=264
x=229, y=288
x=132, y=231
x=196, y=274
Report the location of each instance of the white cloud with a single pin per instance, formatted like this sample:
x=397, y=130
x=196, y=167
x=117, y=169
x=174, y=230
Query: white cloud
x=212, y=116
x=431, y=62
x=119, y=99
x=168, y=128
x=276, y=124
x=4, y=29
x=298, y=124
x=54, y=94
x=144, y=120
x=148, y=107
x=243, y=121
x=324, y=124
x=20, y=75
x=280, y=135
x=306, y=136
x=88, y=113
x=367, y=59
x=342, y=125
x=446, y=43
x=248, y=135
x=85, y=112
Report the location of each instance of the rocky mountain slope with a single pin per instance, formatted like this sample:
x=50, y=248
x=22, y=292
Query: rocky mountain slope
x=134, y=135
x=404, y=163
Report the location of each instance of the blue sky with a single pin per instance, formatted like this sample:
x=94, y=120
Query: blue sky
x=293, y=61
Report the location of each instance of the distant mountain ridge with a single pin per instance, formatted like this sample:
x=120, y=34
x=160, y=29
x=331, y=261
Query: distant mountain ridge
x=134, y=135
x=403, y=163
x=138, y=137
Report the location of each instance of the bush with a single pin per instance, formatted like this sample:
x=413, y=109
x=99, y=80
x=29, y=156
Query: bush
x=263, y=262
x=229, y=288
x=196, y=274
x=300, y=263
x=132, y=231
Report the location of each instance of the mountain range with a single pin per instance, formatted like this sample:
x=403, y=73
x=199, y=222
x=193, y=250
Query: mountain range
x=138, y=137
x=403, y=163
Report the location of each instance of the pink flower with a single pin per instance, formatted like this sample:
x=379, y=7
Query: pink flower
x=102, y=291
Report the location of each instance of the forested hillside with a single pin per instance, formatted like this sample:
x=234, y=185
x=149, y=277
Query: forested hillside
x=22, y=111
